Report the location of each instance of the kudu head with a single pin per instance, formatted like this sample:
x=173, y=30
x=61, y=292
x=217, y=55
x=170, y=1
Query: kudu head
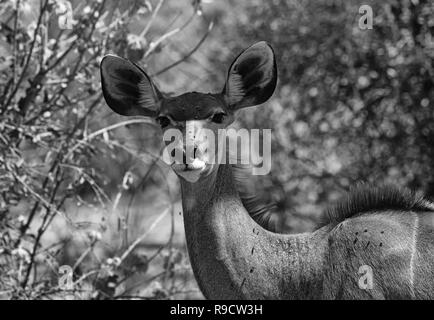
x=129, y=91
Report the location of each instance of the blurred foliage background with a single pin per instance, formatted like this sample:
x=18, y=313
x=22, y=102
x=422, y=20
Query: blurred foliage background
x=83, y=187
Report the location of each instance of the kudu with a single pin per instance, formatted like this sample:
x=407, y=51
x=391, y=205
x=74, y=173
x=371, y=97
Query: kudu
x=386, y=230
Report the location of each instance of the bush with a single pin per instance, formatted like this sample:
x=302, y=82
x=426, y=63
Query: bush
x=60, y=158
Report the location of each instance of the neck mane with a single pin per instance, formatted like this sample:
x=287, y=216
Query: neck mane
x=233, y=257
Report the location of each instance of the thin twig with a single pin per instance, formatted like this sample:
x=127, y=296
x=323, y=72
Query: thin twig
x=14, y=69
x=29, y=56
x=154, y=15
x=83, y=255
x=155, y=44
x=102, y=131
x=144, y=235
x=41, y=199
x=192, y=51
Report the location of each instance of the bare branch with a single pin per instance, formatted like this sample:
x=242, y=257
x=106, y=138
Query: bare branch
x=154, y=15
x=192, y=51
x=144, y=235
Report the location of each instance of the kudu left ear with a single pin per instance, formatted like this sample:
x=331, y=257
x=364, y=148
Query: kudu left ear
x=127, y=89
x=252, y=77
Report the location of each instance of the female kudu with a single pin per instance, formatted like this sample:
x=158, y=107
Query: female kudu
x=388, y=230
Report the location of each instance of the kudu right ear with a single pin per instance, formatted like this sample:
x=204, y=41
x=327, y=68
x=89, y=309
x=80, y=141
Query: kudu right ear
x=252, y=77
x=127, y=89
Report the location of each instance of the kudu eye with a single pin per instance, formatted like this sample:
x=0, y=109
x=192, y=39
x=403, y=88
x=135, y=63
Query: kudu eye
x=163, y=121
x=218, y=117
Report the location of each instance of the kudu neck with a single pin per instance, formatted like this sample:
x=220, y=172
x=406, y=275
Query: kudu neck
x=198, y=194
x=232, y=257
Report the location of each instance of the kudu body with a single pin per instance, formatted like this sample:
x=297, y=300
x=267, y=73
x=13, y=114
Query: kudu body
x=387, y=230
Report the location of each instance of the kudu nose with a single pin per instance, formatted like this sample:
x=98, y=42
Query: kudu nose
x=178, y=151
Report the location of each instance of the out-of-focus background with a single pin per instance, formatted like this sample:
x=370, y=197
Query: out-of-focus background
x=83, y=187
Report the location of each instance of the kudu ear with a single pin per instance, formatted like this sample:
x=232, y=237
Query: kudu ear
x=127, y=89
x=252, y=77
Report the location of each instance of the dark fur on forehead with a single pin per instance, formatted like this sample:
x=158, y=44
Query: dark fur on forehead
x=365, y=198
x=192, y=105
